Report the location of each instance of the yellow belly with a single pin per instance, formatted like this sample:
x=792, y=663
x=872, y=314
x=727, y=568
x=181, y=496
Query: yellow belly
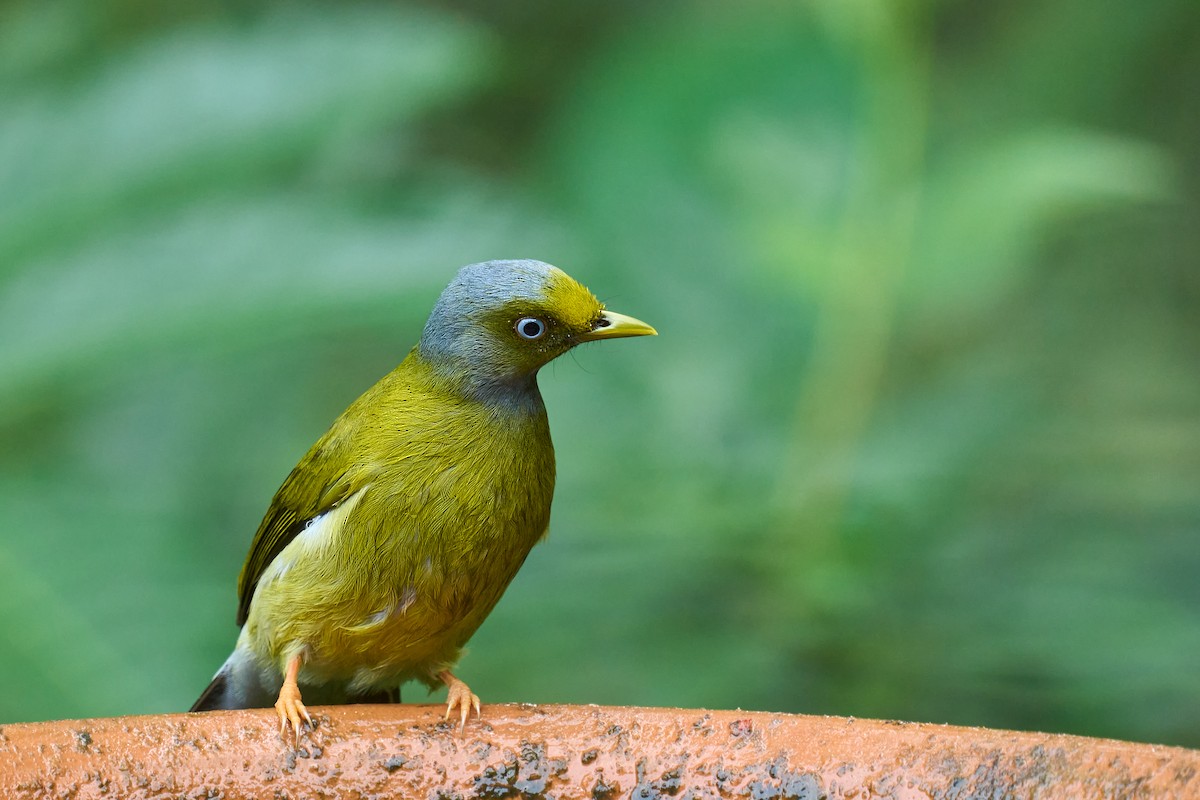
x=389, y=585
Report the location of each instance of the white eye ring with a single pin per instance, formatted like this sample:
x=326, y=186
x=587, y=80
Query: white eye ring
x=530, y=328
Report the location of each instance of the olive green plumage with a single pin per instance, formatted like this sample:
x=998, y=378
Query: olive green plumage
x=397, y=533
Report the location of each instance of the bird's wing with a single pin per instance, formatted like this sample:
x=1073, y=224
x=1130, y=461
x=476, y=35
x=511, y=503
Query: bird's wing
x=314, y=487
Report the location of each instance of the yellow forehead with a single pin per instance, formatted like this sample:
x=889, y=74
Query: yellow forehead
x=571, y=302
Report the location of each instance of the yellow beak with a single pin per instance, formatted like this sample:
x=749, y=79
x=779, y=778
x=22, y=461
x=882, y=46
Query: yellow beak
x=612, y=325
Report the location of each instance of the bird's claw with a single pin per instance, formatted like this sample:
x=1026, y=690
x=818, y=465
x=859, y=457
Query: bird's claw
x=291, y=711
x=459, y=696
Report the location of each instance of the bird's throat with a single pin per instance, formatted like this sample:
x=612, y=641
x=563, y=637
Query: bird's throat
x=506, y=393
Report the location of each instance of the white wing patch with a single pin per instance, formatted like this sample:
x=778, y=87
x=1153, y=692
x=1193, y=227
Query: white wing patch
x=318, y=535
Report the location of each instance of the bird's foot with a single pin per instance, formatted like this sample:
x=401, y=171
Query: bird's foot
x=291, y=711
x=460, y=696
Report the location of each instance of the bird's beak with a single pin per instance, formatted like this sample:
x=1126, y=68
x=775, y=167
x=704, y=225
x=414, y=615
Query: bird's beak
x=612, y=325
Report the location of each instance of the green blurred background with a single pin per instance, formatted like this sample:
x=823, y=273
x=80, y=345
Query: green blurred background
x=920, y=437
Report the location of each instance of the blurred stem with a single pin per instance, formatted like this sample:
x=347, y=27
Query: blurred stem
x=857, y=304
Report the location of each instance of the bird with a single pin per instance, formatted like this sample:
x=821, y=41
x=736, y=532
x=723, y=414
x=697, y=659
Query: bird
x=398, y=531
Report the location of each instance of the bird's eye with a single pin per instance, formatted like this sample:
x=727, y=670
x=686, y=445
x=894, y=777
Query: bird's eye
x=530, y=328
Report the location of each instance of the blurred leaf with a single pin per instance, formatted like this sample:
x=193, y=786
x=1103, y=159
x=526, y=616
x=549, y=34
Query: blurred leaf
x=36, y=37
x=986, y=211
x=210, y=107
x=220, y=271
x=680, y=113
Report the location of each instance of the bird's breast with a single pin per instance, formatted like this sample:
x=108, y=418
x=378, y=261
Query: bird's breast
x=448, y=527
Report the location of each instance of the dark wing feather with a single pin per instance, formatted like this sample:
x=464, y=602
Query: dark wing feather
x=314, y=487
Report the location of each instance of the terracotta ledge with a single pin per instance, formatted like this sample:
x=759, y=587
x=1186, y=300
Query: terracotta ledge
x=590, y=752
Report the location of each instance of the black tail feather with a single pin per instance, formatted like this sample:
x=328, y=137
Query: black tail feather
x=213, y=697
x=238, y=684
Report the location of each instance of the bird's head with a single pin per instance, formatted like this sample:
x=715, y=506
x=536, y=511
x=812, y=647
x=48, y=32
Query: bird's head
x=499, y=322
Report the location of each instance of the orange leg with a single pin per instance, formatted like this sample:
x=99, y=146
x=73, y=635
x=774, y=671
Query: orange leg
x=288, y=706
x=461, y=696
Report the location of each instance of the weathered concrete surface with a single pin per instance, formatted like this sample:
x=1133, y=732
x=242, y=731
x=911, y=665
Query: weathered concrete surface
x=594, y=753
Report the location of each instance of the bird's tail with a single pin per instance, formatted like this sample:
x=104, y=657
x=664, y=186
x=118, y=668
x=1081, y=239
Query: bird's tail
x=242, y=683
x=215, y=696
x=237, y=684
